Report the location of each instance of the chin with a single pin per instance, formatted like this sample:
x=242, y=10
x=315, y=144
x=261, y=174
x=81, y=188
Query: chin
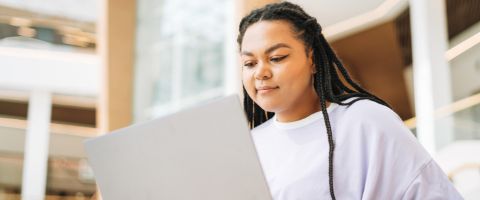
x=267, y=106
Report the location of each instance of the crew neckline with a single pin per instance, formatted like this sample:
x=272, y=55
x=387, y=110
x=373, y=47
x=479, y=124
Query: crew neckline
x=303, y=122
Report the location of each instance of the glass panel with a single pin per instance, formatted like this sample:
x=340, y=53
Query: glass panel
x=180, y=54
x=467, y=123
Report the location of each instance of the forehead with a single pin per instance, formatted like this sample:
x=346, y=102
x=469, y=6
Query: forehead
x=264, y=34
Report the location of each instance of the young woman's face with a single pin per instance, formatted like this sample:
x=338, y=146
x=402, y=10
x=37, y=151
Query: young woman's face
x=277, y=72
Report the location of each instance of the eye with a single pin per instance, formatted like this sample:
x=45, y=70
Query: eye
x=278, y=58
x=249, y=64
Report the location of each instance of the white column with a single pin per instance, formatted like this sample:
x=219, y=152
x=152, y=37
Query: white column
x=431, y=72
x=36, y=146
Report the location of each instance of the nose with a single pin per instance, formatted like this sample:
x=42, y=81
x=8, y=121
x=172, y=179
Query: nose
x=263, y=72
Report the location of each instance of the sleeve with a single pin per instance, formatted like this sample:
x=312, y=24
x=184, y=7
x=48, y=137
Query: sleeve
x=397, y=167
x=431, y=183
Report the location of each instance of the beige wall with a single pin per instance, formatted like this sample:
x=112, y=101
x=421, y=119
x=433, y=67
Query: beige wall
x=116, y=48
x=116, y=34
x=374, y=59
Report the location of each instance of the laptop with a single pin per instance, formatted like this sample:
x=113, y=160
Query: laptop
x=202, y=153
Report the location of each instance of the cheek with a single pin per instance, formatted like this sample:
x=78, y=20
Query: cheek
x=295, y=84
x=248, y=82
x=295, y=79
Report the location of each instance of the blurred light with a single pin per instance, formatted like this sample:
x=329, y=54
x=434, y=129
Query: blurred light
x=79, y=196
x=75, y=40
x=75, y=36
x=85, y=172
x=26, y=31
x=17, y=21
x=69, y=29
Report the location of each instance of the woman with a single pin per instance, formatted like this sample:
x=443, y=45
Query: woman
x=316, y=137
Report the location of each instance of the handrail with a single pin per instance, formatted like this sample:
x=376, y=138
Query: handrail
x=448, y=109
x=57, y=99
x=462, y=168
x=66, y=129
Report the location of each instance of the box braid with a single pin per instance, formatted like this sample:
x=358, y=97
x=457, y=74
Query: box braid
x=327, y=81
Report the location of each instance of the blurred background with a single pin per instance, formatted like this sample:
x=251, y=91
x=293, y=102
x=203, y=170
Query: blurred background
x=72, y=70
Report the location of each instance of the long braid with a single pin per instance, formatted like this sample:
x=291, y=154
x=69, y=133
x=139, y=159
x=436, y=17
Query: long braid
x=344, y=72
x=320, y=88
x=326, y=64
x=331, y=143
x=327, y=82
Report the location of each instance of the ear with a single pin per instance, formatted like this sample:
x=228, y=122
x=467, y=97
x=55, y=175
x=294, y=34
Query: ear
x=313, y=68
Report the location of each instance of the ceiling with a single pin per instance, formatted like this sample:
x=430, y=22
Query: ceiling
x=329, y=12
x=84, y=10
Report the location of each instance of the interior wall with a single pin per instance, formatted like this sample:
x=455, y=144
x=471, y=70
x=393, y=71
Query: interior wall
x=375, y=61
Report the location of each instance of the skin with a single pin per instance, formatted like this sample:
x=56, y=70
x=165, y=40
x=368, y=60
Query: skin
x=277, y=73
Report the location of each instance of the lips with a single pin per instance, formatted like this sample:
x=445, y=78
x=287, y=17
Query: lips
x=266, y=89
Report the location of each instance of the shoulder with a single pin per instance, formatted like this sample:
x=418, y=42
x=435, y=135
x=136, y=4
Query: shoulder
x=374, y=122
x=387, y=147
x=367, y=111
x=370, y=119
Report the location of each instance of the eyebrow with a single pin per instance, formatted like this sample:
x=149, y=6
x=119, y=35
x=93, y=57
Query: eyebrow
x=269, y=50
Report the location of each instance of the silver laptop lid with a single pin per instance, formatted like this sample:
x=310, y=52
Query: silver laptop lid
x=205, y=152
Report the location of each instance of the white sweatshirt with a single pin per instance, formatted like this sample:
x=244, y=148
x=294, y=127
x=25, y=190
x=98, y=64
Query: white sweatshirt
x=375, y=157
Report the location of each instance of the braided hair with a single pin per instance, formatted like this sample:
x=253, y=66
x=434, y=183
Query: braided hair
x=327, y=82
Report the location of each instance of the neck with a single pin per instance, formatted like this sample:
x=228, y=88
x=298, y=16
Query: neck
x=301, y=109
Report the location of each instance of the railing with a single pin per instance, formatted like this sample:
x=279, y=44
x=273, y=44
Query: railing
x=449, y=109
